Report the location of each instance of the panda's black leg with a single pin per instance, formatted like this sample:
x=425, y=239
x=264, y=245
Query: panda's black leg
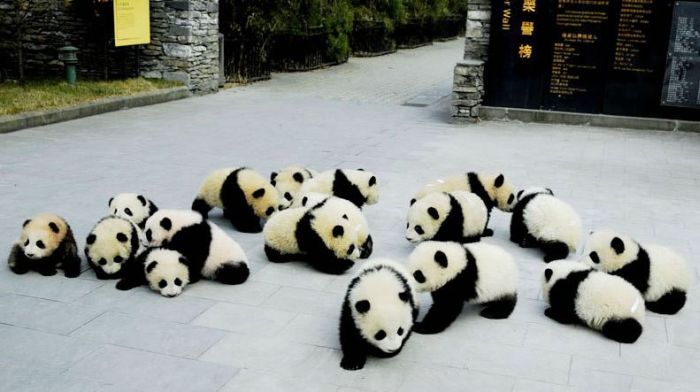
x=244, y=222
x=555, y=250
x=366, y=248
x=468, y=240
x=623, y=331
x=443, y=313
x=201, y=206
x=353, y=361
x=47, y=270
x=274, y=256
x=351, y=343
x=333, y=266
x=17, y=262
x=560, y=316
x=232, y=273
x=71, y=267
x=500, y=308
x=488, y=232
x=669, y=303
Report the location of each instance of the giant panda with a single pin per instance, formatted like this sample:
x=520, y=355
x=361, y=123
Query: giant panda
x=358, y=186
x=163, y=270
x=606, y=303
x=288, y=181
x=453, y=273
x=45, y=243
x=543, y=221
x=133, y=207
x=378, y=313
x=660, y=274
x=318, y=235
x=440, y=216
x=346, y=209
x=112, y=242
x=244, y=195
x=210, y=252
x=495, y=191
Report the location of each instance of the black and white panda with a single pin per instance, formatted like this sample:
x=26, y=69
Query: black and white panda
x=659, y=273
x=378, y=313
x=245, y=196
x=440, y=216
x=132, y=206
x=318, y=235
x=495, y=191
x=163, y=270
x=606, y=303
x=210, y=252
x=348, y=210
x=453, y=273
x=541, y=220
x=359, y=186
x=288, y=182
x=111, y=243
x=45, y=244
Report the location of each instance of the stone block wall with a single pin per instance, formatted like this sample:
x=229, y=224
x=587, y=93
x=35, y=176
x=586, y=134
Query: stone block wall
x=478, y=29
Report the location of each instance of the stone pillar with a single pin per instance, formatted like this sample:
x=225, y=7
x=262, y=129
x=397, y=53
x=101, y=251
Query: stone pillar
x=478, y=29
x=468, y=90
x=184, y=43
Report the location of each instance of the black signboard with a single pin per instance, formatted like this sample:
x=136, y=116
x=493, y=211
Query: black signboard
x=596, y=56
x=682, y=80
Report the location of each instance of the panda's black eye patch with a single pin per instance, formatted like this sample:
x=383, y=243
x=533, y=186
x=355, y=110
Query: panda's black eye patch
x=149, y=235
x=499, y=181
x=178, y=282
x=419, y=230
x=510, y=198
x=118, y=259
x=128, y=212
x=433, y=213
x=594, y=257
x=400, y=331
x=304, y=201
x=298, y=177
x=617, y=245
x=162, y=283
x=441, y=259
x=288, y=196
x=338, y=231
x=372, y=180
x=259, y=193
x=380, y=335
x=351, y=249
x=40, y=244
x=362, y=306
x=269, y=211
x=102, y=261
x=122, y=237
x=91, y=239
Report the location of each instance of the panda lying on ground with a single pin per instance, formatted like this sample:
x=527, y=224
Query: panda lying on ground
x=455, y=216
x=358, y=186
x=113, y=242
x=288, y=182
x=163, y=270
x=133, y=207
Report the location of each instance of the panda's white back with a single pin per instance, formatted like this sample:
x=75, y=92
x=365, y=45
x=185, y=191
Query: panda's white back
x=474, y=211
x=602, y=297
x=279, y=231
x=448, y=184
x=497, y=272
x=210, y=189
x=549, y=218
x=222, y=250
x=322, y=183
x=668, y=270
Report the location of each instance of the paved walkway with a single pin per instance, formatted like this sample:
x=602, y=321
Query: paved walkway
x=278, y=331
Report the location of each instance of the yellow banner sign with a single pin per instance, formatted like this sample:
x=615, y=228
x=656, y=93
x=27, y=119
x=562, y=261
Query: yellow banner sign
x=132, y=24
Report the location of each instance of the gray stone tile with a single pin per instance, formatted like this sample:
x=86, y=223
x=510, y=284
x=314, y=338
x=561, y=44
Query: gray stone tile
x=524, y=385
x=521, y=362
x=312, y=302
x=245, y=319
x=318, y=331
x=142, y=370
x=450, y=379
x=250, y=293
x=261, y=380
x=683, y=329
x=256, y=352
x=571, y=339
x=57, y=287
x=293, y=274
x=43, y=315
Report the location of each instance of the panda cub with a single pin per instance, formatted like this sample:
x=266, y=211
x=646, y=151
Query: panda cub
x=210, y=252
x=45, y=244
x=319, y=235
x=455, y=216
x=244, y=195
x=660, y=274
x=453, y=273
x=606, y=303
x=542, y=221
x=163, y=270
x=350, y=211
x=378, y=313
x=358, y=186
x=111, y=243
x=495, y=191
x=288, y=181
x=133, y=207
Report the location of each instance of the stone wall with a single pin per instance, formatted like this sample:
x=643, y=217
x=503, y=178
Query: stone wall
x=478, y=29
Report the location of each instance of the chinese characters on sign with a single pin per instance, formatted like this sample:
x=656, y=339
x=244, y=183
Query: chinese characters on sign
x=527, y=28
x=682, y=79
x=132, y=24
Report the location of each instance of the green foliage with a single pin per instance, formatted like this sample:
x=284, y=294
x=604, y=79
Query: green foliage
x=337, y=20
x=250, y=20
x=417, y=9
x=457, y=7
x=439, y=9
x=388, y=11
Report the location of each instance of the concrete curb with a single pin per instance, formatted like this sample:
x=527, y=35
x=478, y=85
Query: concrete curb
x=599, y=120
x=44, y=117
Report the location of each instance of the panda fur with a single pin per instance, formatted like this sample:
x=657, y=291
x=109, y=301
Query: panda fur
x=453, y=273
x=133, y=207
x=288, y=182
x=211, y=253
x=112, y=242
x=659, y=273
x=543, y=221
x=378, y=313
x=358, y=186
x=45, y=243
x=347, y=209
x=318, y=235
x=495, y=191
x=163, y=270
x=606, y=303
x=455, y=216
x=244, y=195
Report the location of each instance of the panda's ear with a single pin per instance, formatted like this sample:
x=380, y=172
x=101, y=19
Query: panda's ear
x=54, y=227
x=362, y=306
x=441, y=259
x=412, y=202
x=151, y=266
x=372, y=180
x=618, y=245
x=91, y=239
x=550, y=191
x=166, y=223
x=183, y=260
x=405, y=296
x=298, y=177
x=122, y=237
x=338, y=231
x=520, y=193
x=361, y=169
x=304, y=200
x=273, y=175
x=142, y=200
x=26, y=222
x=547, y=274
x=433, y=213
x=259, y=193
x=109, y=203
x=499, y=181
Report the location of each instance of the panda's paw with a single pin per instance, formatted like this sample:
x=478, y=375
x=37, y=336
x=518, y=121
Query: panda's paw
x=424, y=329
x=352, y=363
x=488, y=232
x=48, y=272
